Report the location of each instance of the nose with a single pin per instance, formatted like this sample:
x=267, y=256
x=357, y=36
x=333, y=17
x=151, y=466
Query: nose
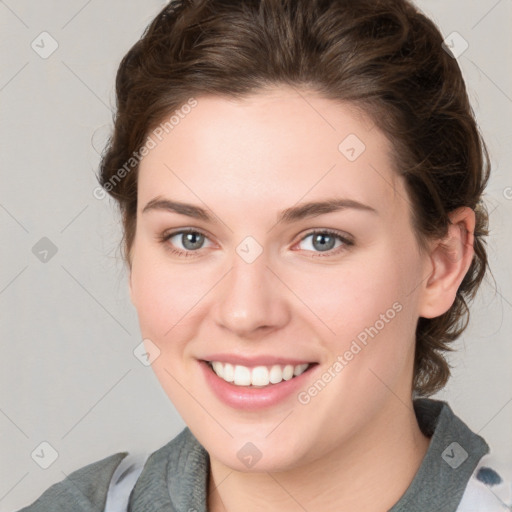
x=251, y=300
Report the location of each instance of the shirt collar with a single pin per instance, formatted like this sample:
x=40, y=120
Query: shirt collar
x=451, y=458
x=176, y=476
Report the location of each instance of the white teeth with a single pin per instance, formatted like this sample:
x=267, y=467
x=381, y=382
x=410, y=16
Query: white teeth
x=288, y=372
x=257, y=376
x=276, y=374
x=218, y=368
x=300, y=368
x=242, y=376
x=228, y=373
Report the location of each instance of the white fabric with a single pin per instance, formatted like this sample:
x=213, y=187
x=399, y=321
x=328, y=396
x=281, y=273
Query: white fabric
x=121, y=486
x=478, y=496
x=482, y=497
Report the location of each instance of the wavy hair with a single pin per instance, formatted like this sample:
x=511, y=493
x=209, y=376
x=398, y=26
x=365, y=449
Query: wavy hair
x=383, y=56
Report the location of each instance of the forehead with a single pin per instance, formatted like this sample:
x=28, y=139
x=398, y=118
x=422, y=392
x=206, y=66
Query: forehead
x=271, y=150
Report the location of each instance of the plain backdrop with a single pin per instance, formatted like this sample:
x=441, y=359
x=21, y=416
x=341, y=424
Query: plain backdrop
x=68, y=375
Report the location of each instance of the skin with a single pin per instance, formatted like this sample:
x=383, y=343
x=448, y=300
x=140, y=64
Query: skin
x=356, y=445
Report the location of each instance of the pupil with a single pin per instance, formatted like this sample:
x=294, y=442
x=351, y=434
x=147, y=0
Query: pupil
x=191, y=242
x=324, y=246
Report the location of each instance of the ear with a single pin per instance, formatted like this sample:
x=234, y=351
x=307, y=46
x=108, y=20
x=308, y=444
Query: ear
x=449, y=260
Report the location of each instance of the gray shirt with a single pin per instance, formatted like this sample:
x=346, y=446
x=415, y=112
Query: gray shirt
x=175, y=477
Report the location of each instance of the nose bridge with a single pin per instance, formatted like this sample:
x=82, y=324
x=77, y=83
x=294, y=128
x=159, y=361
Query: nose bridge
x=250, y=297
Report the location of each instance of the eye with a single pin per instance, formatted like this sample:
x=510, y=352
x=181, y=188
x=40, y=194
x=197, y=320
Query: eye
x=191, y=241
x=324, y=241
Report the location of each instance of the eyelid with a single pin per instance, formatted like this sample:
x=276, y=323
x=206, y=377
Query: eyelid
x=167, y=235
x=334, y=232
x=172, y=232
x=346, y=239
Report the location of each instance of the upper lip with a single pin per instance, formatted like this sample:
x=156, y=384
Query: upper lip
x=262, y=360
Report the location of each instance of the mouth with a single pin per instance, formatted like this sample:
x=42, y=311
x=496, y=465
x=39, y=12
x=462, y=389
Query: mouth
x=261, y=376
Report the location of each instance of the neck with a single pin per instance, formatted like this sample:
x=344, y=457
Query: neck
x=368, y=474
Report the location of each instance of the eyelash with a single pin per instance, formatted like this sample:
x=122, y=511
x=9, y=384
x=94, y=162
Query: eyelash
x=346, y=242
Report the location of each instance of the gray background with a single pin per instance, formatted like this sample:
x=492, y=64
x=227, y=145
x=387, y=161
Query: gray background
x=68, y=330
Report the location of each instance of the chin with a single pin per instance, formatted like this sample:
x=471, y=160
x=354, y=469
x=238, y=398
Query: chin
x=257, y=456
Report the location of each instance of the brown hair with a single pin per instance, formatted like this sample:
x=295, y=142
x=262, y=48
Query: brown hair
x=383, y=56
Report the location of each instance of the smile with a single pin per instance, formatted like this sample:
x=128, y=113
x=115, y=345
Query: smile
x=258, y=376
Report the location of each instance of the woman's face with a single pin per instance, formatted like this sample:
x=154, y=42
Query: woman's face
x=301, y=251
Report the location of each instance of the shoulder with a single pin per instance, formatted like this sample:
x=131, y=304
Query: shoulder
x=109, y=481
x=84, y=490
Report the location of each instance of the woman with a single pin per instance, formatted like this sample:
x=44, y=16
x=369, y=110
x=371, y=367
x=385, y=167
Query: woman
x=301, y=186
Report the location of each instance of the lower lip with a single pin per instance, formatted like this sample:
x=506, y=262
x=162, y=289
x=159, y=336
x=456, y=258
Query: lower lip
x=248, y=398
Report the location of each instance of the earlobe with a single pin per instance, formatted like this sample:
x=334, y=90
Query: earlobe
x=450, y=259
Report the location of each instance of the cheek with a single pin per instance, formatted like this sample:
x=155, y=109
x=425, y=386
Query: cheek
x=386, y=305
x=166, y=301
x=163, y=296
x=342, y=300
x=354, y=296
x=372, y=310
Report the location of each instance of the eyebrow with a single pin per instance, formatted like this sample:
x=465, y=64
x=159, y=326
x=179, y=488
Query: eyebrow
x=289, y=215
